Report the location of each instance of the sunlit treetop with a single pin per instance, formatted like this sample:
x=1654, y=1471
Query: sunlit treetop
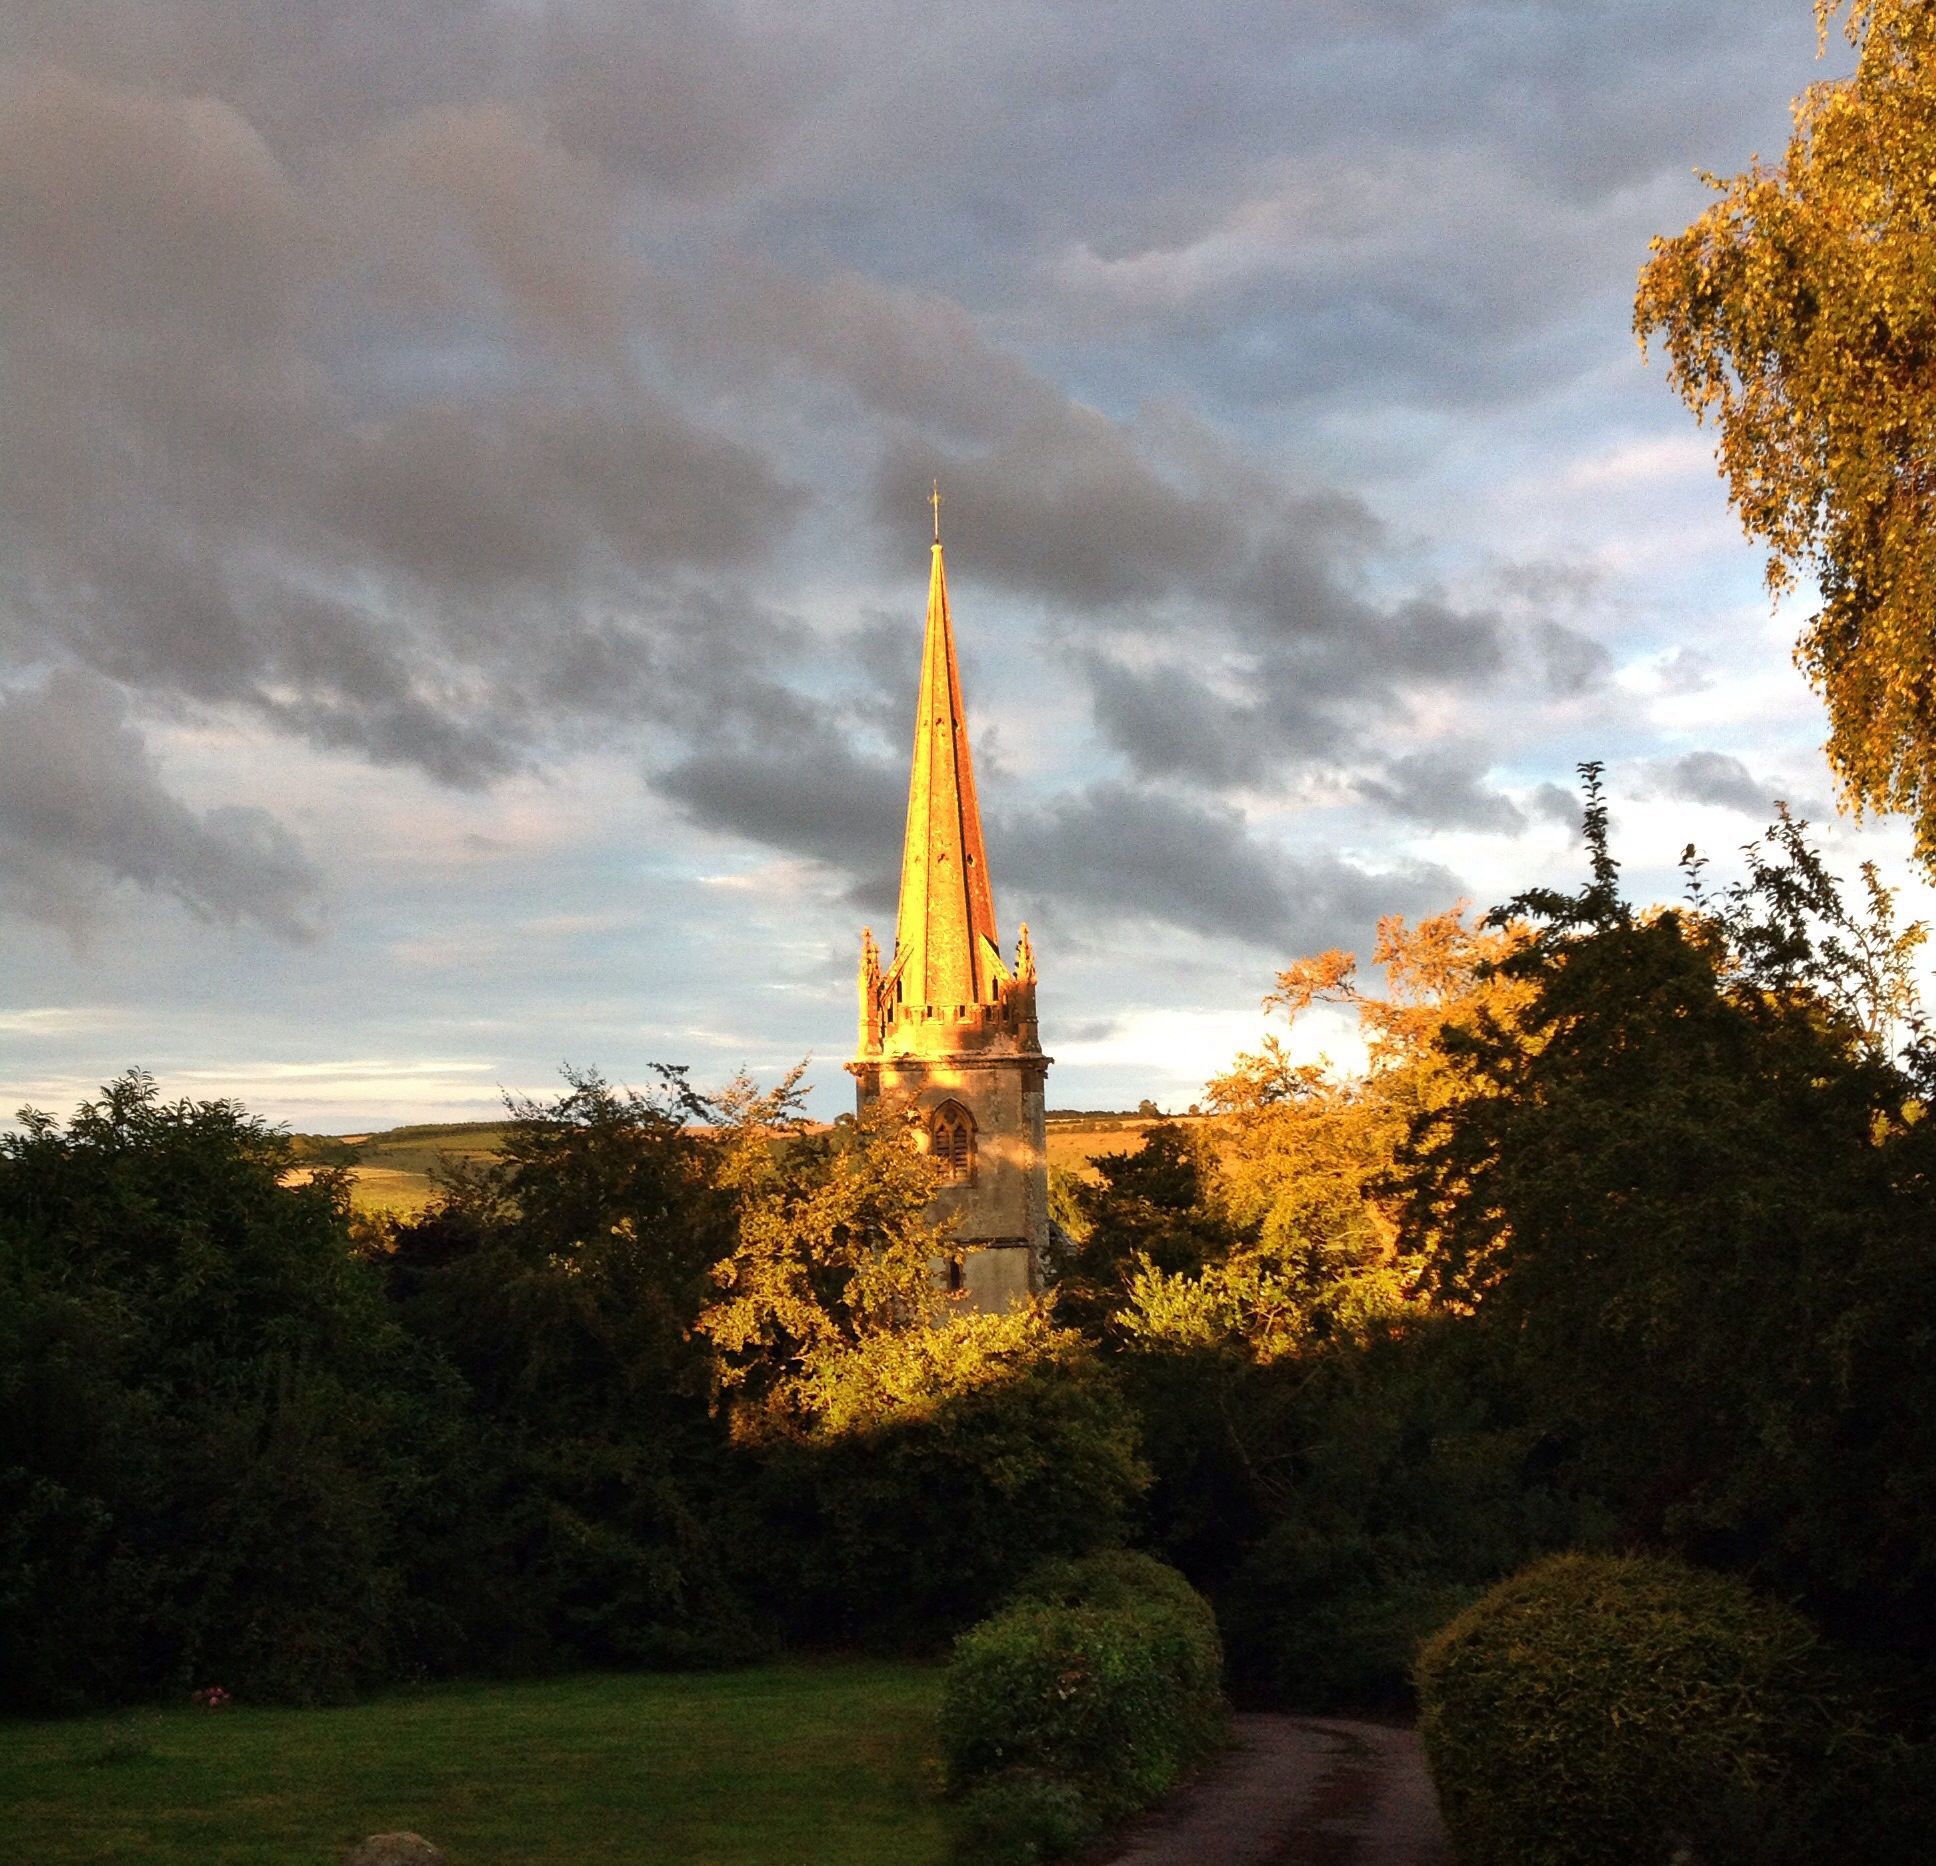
x=1800, y=312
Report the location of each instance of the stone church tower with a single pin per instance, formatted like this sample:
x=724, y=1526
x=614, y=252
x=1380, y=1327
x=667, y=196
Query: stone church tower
x=947, y=1027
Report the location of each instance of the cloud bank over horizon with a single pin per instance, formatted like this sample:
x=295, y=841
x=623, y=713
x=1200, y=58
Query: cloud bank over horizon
x=462, y=511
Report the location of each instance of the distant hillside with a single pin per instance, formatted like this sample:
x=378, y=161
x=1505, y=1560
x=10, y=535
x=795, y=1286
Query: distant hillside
x=392, y=1169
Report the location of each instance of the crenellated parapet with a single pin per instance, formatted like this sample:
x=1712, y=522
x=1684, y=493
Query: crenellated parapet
x=1003, y=1018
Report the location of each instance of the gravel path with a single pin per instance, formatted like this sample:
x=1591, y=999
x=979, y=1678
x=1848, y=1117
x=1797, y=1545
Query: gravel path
x=1301, y=1791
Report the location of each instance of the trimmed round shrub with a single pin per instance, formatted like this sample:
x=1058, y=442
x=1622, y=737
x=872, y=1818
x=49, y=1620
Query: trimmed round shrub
x=1118, y=1693
x=1020, y=1818
x=1602, y=1710
x=1116, y=1578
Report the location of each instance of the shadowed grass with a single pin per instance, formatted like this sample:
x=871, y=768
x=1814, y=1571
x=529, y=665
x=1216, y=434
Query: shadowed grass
x=786, y=1765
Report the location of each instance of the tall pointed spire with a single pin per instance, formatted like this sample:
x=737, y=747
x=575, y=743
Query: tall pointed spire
x=948, y=1032
x=946, y=952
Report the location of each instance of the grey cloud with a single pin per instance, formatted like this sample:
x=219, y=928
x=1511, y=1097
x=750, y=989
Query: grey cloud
x=1716, y=778
x=459, y=197
x=1170, y=724
x=691, y=97
x=1573, y=662
x=1687, y=670
x=1268, y=647
x=1066, y=506
x=406, y=374
x=1144, y=855
x=1089, y=1030
x=1557, y=805
x=816, y=797
x=1152, y=857
x=903, y=354
x=1400, y=202
x=788, y=776
x=168, y=213
x=82, y=807
x=530, y=491
x=684, y=97
x=239, y=467
x=1271, y=647
x=1443, y=788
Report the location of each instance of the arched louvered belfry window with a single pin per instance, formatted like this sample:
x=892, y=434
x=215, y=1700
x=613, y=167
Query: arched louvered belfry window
x=951, y=1143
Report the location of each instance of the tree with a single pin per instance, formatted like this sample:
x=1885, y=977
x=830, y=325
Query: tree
x=1688, y=1200
x=1800, y=311
x=916, y=1458
x=833, y=1253
x=562, y=1280
x=210, y=1432
x=1298, y=1198
x=1150, y=1206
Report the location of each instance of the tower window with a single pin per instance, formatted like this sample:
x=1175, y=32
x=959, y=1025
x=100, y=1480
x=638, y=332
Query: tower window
x=951, y=1143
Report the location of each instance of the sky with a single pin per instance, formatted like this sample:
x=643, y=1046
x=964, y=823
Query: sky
x=463, y=516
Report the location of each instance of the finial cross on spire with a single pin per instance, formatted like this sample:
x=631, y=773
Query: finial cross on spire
x=934, y=499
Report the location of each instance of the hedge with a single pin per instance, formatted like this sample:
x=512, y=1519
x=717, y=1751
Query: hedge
x=1609, y=1710
x=1082, y=1701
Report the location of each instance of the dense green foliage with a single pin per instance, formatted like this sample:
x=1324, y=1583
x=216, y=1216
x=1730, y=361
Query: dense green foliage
x=1102, y=1676
x=910, y=1526
x=822, y=1764
x=1145, y=1205
x=1625, y=1239
x=657, y=1383
x=1609, y=1710
x=584, y=1519
x=1689, y=1200
x=211, y=1432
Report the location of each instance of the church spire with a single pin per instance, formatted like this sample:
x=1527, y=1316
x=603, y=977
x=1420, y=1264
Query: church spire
x=946, y=953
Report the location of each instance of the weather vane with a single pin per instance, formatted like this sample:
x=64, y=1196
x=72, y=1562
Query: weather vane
x=934, y=499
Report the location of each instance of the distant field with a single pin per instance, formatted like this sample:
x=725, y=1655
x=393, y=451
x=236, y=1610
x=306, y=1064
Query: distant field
x=392, y=1169
x=1073, y=1143
x=785, y=1765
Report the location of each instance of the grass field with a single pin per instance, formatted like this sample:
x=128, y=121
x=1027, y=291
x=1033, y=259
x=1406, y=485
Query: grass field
x=786, y=1765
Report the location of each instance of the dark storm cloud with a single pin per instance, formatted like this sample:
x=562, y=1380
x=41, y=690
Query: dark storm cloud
x=82, y=807
x=812, y=795
x=1170, y=724
x=821, y=800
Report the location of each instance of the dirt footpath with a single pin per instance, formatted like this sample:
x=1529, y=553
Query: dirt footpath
x=1301, y=1791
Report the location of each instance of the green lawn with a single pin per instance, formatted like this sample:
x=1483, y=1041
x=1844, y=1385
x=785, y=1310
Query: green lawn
x=785, y=1765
